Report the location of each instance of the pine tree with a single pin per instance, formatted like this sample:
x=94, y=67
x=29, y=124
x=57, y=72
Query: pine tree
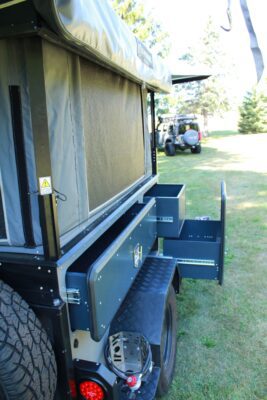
x=253, y=113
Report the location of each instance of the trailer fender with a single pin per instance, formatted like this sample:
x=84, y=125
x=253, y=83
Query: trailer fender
x=144, y=307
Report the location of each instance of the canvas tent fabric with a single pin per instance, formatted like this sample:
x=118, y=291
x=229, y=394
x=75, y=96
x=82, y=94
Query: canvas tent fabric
x=99, y=143
x=99, y=140
x=12, y=72
x=94, y=27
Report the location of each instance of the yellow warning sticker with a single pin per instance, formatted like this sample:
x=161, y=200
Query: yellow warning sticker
x=45, y=185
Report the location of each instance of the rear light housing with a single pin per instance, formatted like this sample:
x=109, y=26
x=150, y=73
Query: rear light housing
x=199, y=135
x=91, y=390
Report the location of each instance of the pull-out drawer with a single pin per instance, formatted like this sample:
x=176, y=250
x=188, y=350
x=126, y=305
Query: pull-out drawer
x=99, y=281
x=170, y=200
x=199, y=250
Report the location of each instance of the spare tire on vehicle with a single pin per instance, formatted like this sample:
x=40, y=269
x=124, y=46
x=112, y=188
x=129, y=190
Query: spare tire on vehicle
x=27, y=362
x=191, y=137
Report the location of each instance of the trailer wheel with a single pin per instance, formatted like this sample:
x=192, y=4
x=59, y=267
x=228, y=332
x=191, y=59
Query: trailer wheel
x=27, y=361
x=168, y=344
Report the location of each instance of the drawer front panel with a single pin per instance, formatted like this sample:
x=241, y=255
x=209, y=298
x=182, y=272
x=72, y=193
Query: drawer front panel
x=114, y=272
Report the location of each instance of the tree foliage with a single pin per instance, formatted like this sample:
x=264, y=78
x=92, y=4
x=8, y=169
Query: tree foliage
x=208, y=97
x=143, y=26
x=253, y=113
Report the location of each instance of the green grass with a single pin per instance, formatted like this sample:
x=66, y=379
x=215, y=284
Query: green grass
x=222, y=331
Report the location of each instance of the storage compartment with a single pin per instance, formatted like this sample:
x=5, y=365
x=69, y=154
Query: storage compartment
x=100, y=279
x=199, y=250
x=170, y=200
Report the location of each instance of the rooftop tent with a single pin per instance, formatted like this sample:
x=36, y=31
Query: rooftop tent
x=81, y=78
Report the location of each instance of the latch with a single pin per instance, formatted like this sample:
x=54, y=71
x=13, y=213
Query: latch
x=138, y=255
x=73, y=296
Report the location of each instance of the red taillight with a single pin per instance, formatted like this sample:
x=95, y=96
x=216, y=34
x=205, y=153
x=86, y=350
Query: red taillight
x=199, y=135
x=91, y=391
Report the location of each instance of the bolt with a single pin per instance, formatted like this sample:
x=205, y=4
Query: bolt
x=51, y=290
x=39, y=268
x=41, y=288
x=49, y=271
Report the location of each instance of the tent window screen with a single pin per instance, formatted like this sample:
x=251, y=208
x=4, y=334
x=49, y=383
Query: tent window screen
x=2, y=218
x=114, y=139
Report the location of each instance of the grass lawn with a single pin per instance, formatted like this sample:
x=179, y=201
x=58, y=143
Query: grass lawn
x=222, y=333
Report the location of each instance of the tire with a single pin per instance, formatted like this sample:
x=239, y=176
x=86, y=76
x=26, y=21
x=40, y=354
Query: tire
x=27, y=361
x=169, y=149
x=196, y=150
x=191, y=137
x=168, y=346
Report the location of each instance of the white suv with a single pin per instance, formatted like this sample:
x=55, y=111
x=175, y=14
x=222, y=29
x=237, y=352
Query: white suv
x=178, y=132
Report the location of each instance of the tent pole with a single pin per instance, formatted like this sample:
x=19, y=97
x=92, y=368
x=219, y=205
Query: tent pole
x=40, y=129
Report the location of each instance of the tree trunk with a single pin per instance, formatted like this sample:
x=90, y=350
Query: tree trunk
x=206, y=122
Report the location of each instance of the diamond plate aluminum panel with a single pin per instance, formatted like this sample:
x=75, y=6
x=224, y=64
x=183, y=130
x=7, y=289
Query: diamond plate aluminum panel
x=143, y=308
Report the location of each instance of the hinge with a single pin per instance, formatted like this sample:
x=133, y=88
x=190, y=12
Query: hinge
x=73, y=296
x=169, y=220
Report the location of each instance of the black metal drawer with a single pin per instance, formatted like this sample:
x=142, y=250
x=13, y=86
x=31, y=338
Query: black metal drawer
x=199, y=250
x=170, y=200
